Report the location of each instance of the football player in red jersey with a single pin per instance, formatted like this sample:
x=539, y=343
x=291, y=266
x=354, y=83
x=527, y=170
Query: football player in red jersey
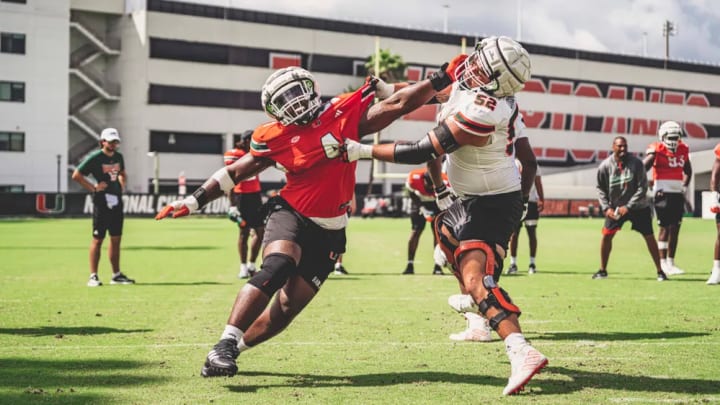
x=671, y=170
x=715, y=208
x=246, y=201
x=305, y=228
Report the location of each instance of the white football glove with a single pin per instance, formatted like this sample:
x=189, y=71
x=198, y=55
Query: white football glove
x=444, y=196
x=179, y=208
x=715, y=202
x=383, y=90
x=439, y=257
x=353, y=150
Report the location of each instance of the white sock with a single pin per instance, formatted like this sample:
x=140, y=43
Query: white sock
x=242, y=346
x=716, y=264
x=475, y=321
x=663, y=263
x=514, y=340
x=532, y=260
x=670, y=261
x=250, y=266
x=232, y=332
x=411, y=262
x=338, y=265
x=513, y=260
x=243, y=267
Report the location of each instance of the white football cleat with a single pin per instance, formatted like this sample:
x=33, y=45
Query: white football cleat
x=462, y=303
x=478, y=330
x=714, y=277
x=244, y=271
x=525, y=363
x=672, y=270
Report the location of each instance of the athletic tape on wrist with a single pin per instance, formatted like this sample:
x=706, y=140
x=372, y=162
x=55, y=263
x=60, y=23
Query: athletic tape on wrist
x=223, y=177
x=365, y=151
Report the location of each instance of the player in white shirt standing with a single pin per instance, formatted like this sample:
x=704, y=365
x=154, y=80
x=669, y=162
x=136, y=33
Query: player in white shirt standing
x=481, y=131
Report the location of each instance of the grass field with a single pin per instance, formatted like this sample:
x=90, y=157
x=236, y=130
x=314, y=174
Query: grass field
x=372, y=337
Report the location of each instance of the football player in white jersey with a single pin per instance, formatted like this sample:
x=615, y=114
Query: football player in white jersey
x=481, y=131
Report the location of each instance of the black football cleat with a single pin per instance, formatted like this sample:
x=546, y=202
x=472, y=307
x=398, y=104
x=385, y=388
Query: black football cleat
x=220, y=362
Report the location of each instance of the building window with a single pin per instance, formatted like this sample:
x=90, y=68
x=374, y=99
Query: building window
x=12, y=91
x=186, y=142
x=12, y=141
x=283, y=60
x=12, y=188
x=12, y=43
x=202, y=97
x=14, y=1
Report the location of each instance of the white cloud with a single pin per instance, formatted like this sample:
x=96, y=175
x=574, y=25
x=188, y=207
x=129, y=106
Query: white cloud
x=607, y=26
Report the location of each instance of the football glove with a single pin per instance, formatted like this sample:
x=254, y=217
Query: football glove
x=383, y=90
x=179, y=208
x=353, y=150
x=453, y=65
x=234, y=216
x=444, y=197
x=715, y=204
x=526, y=201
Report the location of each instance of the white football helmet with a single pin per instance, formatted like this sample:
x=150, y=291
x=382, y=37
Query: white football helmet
x=499, y=66
x=669, y=134
x=291, y=96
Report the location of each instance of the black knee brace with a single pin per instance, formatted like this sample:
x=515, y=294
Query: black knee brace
x=275, y=271
x=498, y=298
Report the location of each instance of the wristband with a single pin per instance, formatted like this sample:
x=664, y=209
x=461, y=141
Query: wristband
x=200, y=197
x=440, y=79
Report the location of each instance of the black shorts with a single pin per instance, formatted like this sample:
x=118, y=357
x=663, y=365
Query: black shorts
x=320, y=247
x=491, y=218
x=250, y=207
x=417, y=219
x=641, y=221
x=532, y=216
x=670, y=209
x=107, y=220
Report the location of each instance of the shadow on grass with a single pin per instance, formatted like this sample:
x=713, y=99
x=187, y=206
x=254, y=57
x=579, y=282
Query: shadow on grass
x=617, y=335
x=367, y=380
x=67, y=381
x=175, y=283
x=67, y=331
x=575, y=380
x=150, y=247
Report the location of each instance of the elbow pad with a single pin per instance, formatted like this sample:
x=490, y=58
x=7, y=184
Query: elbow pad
x=415, y=153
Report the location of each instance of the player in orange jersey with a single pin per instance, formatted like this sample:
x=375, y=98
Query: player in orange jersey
x=246, y=200
x=305, y=228
x=715, y=208
x=670, y=163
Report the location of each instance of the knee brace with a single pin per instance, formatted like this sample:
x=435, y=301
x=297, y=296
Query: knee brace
x=493, y=258
x=498, y=298
x=275, y=271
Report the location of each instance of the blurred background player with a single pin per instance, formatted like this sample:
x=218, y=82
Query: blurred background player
x=714, y=187
x=622, y=187
x=423, y=209
x=339, y=268
x=107, y=167
x=536, y=204
x=669, y=159
x=246, y=201
x=481, y=131
x=305, y=228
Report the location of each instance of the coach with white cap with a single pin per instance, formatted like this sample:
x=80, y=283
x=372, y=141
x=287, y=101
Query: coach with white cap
x=107, y=167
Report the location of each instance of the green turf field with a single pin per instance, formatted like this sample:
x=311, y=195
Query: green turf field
x=372, y=337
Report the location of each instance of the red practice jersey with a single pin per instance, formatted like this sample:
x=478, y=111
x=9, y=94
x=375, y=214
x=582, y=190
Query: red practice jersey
x=319, y=183
x=249, y=185
x=416, y=184
x=667, y=169
x=717, y=151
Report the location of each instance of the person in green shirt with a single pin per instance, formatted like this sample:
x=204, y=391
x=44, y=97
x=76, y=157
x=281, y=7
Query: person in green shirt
x=107, y=168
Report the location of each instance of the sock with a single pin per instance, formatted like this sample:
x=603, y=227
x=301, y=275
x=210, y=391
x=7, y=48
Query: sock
x=338, y=265
x=716, y=264
x=514, y=340
x=475, y=321
x=232, y=332
x=242, y=346
x=532, y=259
x=250, y=266
x=513, y=260
x=663, y=263
x=670, y=261
x=411, y=262
x=243, y=267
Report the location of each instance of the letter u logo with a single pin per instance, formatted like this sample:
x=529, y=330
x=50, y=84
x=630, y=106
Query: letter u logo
x=41, y=205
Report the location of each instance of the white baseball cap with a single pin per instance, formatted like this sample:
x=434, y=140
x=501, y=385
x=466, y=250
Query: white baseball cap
x=110, y=134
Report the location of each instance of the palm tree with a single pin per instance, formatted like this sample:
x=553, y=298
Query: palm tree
x=392, y=67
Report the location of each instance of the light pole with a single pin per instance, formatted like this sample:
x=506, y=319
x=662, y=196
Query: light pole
x=669, y=29
x=156, y=171
x=446, y=8
x=59, y=159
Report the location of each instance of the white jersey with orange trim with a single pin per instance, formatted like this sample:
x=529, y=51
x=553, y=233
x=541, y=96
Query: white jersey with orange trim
x=489, y=169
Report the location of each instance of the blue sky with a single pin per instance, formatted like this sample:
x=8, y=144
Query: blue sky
x=619, y=26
